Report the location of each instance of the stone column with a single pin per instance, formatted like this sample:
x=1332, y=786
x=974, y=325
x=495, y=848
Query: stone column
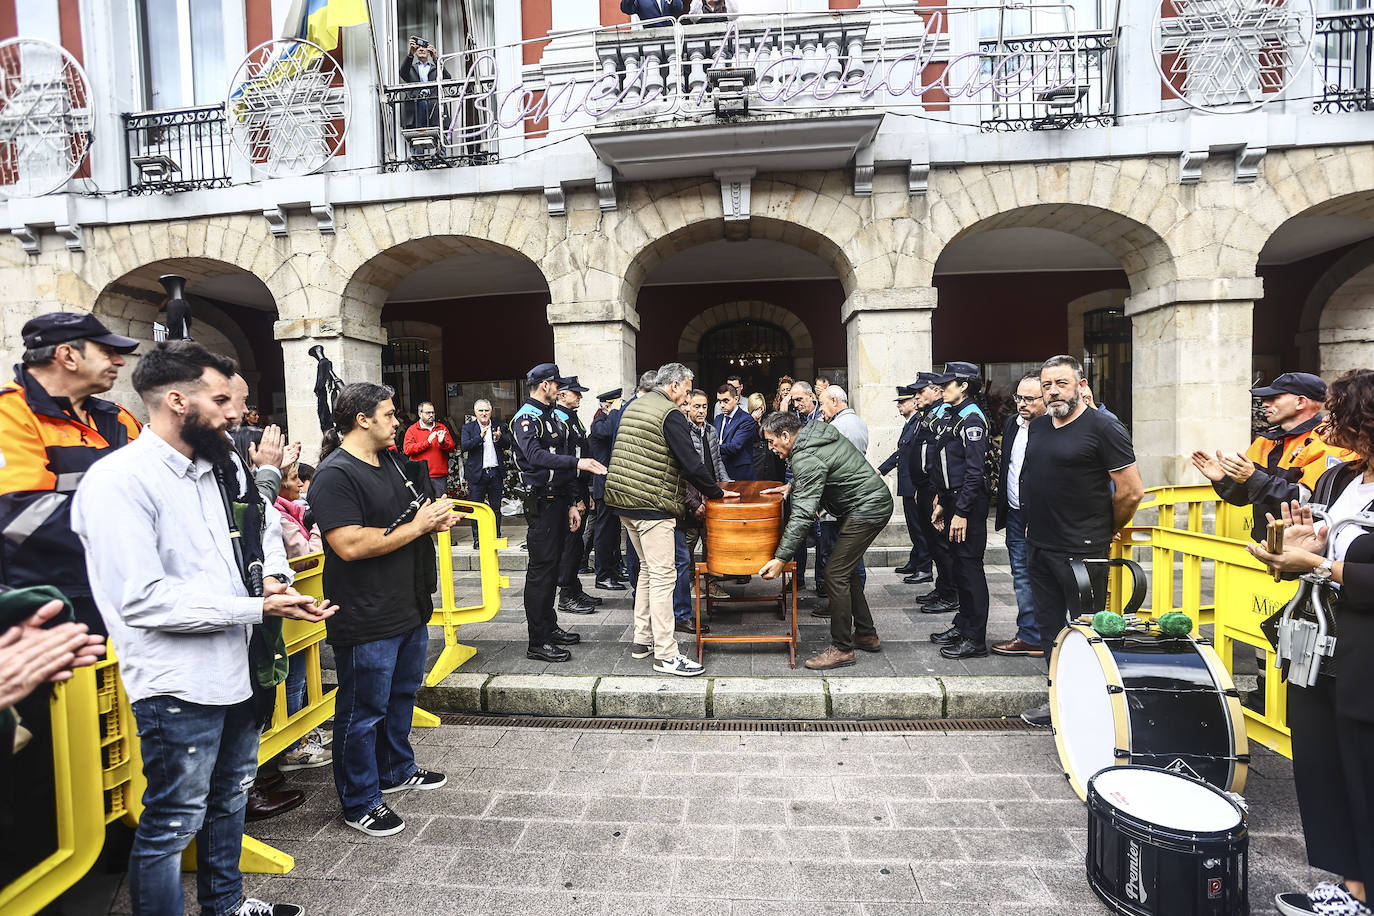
x=1345, y=339
x=596, y=342
x=1191, y=358
x=354, y=347
x=887, y=341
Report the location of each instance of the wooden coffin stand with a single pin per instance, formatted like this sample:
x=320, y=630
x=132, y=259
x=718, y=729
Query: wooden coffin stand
x=741, y=536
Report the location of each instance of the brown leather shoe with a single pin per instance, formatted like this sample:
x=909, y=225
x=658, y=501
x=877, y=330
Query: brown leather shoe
x=682, y=626
x=832, y=657
x=262, y=805
x=868, y=643
x=1017, y=647
x=269, y=783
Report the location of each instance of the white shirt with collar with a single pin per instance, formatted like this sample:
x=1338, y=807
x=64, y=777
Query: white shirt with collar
x=1018, y=458
x=164, y=575
x=489, y=459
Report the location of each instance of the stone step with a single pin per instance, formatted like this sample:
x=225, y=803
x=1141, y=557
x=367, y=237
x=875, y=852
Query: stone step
x=841, y=698
x=465, y=559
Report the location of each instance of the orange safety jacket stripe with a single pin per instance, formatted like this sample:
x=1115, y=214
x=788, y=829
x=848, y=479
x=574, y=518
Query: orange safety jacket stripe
x=1301, y=449
x=44, y=452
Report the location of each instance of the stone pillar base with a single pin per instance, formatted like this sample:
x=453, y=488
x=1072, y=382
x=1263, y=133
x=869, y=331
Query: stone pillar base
x=593, y=343
x=355, y=348
x=887, y=342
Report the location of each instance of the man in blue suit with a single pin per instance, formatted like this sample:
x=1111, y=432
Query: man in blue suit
x=651, y=9
x=918, y=562
x=737, y=431
x=484, y=461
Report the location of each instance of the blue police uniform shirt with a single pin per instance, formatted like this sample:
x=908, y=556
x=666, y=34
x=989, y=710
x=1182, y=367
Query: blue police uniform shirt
x=543, y=449
x=960, y=448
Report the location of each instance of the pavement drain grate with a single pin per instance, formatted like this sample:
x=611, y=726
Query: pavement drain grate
x=746, y=725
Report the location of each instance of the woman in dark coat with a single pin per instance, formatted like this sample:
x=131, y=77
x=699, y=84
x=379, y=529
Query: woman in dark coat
x=767, y=466
x=1333, y=722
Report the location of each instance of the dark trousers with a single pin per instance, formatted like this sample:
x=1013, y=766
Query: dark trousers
x=606, y=543
x=938, y=542
x=487, y=487
x=969, y=578
x=826, y=534
x=438, y=487
x=1054, y=591
x=844, y=582
x=199, y=762
x=372, y=716
x=920, y=553
x=548, y=529
x=570, y=560
x=1333, y=771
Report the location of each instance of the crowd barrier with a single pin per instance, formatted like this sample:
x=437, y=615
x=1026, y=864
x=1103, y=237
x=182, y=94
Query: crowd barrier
x=99, y=771
x=1194, y=533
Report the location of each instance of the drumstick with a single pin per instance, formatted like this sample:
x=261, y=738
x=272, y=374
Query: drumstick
x=1274, y=542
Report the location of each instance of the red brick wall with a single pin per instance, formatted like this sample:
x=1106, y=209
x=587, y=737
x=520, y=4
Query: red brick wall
x=258, y=16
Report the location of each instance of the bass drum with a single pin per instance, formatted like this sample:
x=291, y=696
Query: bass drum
x=1142, y=698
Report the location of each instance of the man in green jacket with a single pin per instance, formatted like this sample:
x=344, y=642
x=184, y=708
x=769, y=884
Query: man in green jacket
x=829, y=473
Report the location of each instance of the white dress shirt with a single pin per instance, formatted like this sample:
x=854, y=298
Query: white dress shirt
x=489, y=459
x=1018, y=457
x=164, y=574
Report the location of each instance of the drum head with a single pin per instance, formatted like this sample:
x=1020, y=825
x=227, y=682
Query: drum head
x=1166, y=800
x=1088, y=726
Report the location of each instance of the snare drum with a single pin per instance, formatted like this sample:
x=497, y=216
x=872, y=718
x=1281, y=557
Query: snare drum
x=1160, y=843
x=1143, y=698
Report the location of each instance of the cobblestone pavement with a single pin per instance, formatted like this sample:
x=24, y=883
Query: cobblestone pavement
x=544, y=820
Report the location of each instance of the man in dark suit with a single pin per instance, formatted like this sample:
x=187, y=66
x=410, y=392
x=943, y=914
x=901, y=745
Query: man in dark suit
x=606, y=525
x=917, y=567
x=651, y=9
x=484, y=461
x=1030, y=403
x=736, y=429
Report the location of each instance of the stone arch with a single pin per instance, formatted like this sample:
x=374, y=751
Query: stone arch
x=433, y=336
x=1077, y=308
x=1314, y=321
x=803, y=348
x=1317, y=181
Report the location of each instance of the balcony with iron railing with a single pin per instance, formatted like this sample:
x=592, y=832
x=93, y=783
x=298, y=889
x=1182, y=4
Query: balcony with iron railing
x=1070, y=87
x=176, y=150
x=1344, y=62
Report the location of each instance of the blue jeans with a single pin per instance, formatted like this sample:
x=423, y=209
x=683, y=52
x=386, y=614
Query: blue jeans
x=372, y=713
x=199, y=762
x=295, y=690
x=826, y=534
x=1026, y=629
x=682, y=588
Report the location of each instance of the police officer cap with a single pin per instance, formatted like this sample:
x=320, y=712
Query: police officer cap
x=924, y=380
x=957, y=371
x=609, y=395
x=570, y=384
x=63, y=327
x=904, y=393
x=1303, y=383
x=542, y=373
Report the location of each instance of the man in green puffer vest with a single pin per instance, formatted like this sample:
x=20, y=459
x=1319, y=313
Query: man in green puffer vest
x=652, y=457
x=830, y=474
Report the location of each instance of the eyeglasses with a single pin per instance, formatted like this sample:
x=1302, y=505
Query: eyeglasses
x=1022, y=399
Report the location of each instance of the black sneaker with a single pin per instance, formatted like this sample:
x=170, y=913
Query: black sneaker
x=1040, y=717
x=380, y=821
x=575, y=606
x=251, y=906
x=420, y=779
x=1326, y=899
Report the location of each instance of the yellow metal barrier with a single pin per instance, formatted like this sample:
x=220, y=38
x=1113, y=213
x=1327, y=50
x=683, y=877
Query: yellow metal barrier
x=80, y=827
x=448, y=615
x=1244, y=591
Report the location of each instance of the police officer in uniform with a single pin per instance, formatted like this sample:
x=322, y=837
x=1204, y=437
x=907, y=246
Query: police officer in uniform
x=955, y=465
x=918, y=563
x=944, y=597
x=573, y=599
x=606, y=524
x=548, y=469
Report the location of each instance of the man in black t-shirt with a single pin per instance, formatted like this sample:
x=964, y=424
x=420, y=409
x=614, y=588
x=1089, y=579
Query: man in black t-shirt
x=380, y=631
x=1079, y=486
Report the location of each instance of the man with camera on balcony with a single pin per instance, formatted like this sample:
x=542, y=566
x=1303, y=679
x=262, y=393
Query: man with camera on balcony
x=647, y=10
x=421, y=66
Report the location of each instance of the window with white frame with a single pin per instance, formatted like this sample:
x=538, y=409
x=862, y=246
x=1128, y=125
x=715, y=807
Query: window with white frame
x=182, y=46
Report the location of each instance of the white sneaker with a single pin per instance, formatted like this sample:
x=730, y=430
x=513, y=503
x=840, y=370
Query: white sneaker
x=306, y=757
x=680, y=665
x=321, y=736
x=251, y=906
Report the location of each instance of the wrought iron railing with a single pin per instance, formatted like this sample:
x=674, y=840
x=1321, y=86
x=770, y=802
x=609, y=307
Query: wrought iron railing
x=1048, y=82
x=176, y=150
x=435, y=126
x=1344, y=62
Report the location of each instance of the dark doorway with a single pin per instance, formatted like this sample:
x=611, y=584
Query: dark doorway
x=1107, y=340
x=405, y=368
x=759, y=352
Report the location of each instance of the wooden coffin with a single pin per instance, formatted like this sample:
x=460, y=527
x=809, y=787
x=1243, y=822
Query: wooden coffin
x=741, y=534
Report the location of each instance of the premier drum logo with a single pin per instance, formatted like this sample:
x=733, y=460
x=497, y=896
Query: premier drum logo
x=1135, y=887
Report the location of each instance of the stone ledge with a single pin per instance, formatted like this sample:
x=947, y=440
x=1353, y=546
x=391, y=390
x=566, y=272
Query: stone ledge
x=652, y=697
x=541, y=695
x=886, y=698
x=768, y=698
x=457, y=693
x=987, y=696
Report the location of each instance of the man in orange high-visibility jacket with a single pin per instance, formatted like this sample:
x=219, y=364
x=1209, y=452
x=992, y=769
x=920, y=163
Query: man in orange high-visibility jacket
x=52, y=429
x=1284, y=462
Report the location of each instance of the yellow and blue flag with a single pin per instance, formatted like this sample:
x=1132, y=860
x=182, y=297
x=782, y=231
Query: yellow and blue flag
x=319, y=21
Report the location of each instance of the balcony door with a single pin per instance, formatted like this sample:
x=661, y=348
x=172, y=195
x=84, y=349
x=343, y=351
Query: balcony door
x=182, y=44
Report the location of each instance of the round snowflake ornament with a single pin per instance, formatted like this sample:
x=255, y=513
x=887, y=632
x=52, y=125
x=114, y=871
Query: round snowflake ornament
x=288, y=107
x=45, y=117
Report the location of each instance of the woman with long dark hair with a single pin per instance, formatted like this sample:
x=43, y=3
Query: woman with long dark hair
x=1333, y=722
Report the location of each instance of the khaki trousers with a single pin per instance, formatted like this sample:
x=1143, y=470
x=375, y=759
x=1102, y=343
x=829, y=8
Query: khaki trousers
x=652, y=539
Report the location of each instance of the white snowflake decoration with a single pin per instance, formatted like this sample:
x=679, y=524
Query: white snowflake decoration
x=1232, y=55
x=288, y=108
x=45, y=117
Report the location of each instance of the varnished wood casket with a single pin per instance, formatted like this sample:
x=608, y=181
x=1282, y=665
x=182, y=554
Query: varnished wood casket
x=741, y=534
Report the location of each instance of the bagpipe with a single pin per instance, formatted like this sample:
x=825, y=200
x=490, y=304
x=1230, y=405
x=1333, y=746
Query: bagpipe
x=328, y=385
